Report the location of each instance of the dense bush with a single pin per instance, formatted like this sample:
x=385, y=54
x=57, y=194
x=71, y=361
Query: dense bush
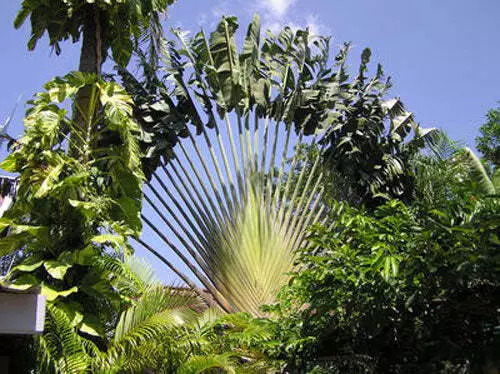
x=414, y=291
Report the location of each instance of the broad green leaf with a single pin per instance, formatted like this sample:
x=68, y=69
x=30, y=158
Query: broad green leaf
x=9, y=163
x=52, y=294
x=131, y=209
x=394, y=266
x=391, y=267
x=5, y=222
x=92, y=326
x=49, y=181
x=73, y=311
x=122, y=48
x=25, y=282
x=29, y=264
x=13, y=242
x=56, y=269
x=79, y=79
x=116, y=240
x=60, y=91
x=85, y=256
x=386, y=271
x=19, y=234
x=115, y=96
x=88, y=208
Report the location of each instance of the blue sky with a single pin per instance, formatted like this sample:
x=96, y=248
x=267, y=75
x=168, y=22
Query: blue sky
x=443, y=55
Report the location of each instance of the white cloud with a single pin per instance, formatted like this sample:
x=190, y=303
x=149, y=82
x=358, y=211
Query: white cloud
x=276, y=14
x=315, y=26
x=311, y=22
x=276, y=9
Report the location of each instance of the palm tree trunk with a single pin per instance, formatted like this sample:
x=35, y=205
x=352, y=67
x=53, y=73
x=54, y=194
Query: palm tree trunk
x=90, y=57
x=91, y=60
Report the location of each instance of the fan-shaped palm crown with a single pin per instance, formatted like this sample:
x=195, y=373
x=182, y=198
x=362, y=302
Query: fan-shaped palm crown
x=234, y=200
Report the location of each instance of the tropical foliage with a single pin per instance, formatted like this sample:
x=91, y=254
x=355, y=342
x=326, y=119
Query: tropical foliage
x=371, y=145
x=69, y=211
x=239, y=233
x=488, y=142
x=403, y=288
x=264, y=166
x=164, y=329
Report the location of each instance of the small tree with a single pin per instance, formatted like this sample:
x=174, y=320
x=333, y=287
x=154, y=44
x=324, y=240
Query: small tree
x=102, y=25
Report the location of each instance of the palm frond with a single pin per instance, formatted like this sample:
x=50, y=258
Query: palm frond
x=202, y=364
x=158, y=307
x=158, y=312
x=477, y=171
x=133, y=276
x=60, y=348
x=444, y=147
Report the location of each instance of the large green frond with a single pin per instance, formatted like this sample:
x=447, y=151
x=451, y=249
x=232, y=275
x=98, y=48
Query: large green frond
x=477, y=171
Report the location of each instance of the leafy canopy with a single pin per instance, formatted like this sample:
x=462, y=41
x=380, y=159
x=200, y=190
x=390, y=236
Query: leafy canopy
x=121, y=21
x=288, y=78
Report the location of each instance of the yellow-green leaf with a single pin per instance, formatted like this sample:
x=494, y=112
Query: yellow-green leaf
x=49, y=181
x=51, y=294
x=28, y=266
x=9, y=163
x=92, y=326
x=56, y=269
x=24, y=282
x=116, y=240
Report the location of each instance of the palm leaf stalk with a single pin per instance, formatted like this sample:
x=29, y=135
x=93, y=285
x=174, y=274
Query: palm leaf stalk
x=236, y=227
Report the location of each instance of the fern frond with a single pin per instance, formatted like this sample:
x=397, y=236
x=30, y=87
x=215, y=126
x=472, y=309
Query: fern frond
x=60, y=347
